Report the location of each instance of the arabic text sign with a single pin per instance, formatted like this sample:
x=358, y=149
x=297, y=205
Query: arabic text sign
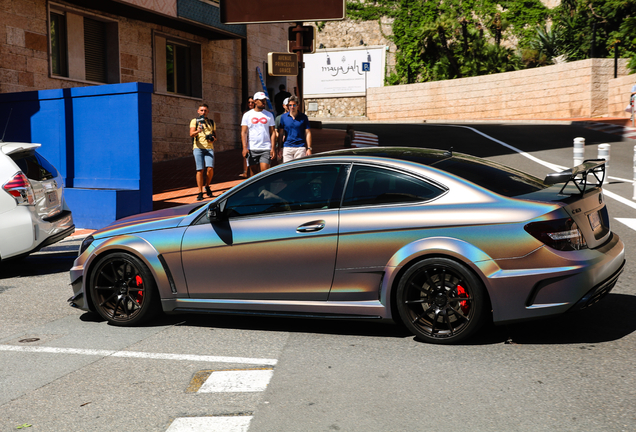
x=341, y=72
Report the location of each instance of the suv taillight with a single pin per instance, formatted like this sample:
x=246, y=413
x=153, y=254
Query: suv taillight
x=559, y=234
x=20, y=189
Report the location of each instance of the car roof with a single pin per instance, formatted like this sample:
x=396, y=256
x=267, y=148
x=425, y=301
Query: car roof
x=485, y=173
x=13, y=147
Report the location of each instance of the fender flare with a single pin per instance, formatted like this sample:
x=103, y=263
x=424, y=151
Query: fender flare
x=474, y=258
x=136, y=246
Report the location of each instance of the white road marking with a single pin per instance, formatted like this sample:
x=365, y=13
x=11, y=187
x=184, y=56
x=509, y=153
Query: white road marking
x=211, y=424
x=627, y=221
x=364, y=139
x=552, y=166
x=142, y=355
x=237, y=381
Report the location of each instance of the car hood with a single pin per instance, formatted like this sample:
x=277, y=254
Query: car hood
x=156, y=220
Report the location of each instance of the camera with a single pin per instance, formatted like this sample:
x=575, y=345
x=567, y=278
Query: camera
x=210, y=137
x=201, y=121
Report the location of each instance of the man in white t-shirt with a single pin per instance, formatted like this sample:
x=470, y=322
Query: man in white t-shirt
x=257, y=136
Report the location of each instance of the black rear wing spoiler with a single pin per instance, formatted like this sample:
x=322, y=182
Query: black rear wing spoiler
x=579, y=174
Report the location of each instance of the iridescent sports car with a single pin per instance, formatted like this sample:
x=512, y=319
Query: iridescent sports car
x=437, y=240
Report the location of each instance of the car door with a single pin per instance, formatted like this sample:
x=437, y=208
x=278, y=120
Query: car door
x=277, y=239
x=377, y=218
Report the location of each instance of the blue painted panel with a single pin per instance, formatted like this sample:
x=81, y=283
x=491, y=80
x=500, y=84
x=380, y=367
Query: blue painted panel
x=94, y=209
x=98, y=137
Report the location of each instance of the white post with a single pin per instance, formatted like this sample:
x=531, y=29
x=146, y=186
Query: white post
x=634, y=197
x=604, y=153
x=579, y=151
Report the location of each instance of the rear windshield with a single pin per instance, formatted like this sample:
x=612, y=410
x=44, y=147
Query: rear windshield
x=34, y=166
x=498, y=178
x=490, y=175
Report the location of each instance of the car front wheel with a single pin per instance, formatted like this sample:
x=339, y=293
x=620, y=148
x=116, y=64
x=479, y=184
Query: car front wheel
x=123, y=290
x=441, y=301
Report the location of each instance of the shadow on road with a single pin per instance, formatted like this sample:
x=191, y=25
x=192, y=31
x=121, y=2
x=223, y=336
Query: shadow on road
x=38, y=265
x=526, y=137
x=607, y=321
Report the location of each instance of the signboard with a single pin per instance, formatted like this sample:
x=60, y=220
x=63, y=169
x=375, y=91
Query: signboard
x=339, y=71
x=282, y=64
x=308, y=39
x=366, y=67
x=259, y=11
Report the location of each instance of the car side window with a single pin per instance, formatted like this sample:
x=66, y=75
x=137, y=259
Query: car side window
x=374, y=186
x=297, y=189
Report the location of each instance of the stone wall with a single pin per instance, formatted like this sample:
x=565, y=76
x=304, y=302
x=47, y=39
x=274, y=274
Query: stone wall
x=24, y=66
x=336, y=107
x=569, y=90
x=618, y=95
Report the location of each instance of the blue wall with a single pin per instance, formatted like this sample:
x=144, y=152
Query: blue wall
x=99, y=138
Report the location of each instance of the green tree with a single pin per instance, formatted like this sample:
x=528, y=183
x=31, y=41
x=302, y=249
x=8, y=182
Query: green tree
x=591, y=28
x=443, y=39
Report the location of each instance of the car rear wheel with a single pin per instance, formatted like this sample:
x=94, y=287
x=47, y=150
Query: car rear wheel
x=123, y=290
x=441, y=301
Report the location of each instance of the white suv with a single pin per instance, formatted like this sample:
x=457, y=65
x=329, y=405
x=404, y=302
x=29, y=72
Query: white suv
x=33, y=213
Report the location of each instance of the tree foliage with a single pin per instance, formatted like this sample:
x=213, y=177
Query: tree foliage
x=592, y=28
x=444, y=39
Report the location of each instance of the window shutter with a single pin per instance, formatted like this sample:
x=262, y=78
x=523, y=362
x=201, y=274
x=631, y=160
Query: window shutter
x=95, y=50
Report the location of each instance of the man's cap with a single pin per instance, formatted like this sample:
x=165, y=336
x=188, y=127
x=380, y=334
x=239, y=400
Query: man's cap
x=260, y=95
x=286, y=101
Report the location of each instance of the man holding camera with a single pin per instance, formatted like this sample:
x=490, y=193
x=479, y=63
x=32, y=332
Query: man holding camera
x=203, y=134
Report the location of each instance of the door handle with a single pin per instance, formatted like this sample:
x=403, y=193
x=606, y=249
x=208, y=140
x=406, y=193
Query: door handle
x=312, y=226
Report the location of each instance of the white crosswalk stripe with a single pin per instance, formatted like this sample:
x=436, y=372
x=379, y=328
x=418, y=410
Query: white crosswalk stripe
x=211, y=424
x=237, y=381
x=223, y=381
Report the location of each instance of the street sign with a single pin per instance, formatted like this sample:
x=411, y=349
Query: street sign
x=366, y=67
x=308, y=43
x=257, y=11
x=282, y=64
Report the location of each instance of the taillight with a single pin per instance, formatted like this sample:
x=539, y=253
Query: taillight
x=20, y=189
x=559, y=234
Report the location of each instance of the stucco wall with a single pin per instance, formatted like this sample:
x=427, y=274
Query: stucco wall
x=569, y=90
x=618, y=95
x=24, y=66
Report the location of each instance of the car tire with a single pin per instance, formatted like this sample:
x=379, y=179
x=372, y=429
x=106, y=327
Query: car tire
x=436, y=312
x=123, y=290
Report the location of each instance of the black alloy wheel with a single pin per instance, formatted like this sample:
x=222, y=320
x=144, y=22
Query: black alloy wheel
x=123, y=290
x=441, y=301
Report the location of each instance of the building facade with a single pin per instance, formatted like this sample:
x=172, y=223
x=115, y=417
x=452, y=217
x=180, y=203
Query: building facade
x=178, y=46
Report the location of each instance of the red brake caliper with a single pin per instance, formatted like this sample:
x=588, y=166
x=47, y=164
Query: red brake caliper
x=461, y=292
x=140, y=283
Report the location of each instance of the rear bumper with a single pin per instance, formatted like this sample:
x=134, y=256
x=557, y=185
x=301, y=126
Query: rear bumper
x=573, y=280
x=599, y=291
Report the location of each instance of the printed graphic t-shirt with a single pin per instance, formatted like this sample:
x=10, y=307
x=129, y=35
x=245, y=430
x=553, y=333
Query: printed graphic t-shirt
x=258, y=124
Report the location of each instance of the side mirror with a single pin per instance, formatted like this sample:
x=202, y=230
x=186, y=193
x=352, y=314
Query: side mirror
x=215, y=211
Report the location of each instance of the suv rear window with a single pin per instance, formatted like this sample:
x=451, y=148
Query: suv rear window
x=34, y=166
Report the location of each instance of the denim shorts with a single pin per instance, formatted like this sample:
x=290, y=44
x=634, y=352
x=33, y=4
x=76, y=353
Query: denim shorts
x=203, y=157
